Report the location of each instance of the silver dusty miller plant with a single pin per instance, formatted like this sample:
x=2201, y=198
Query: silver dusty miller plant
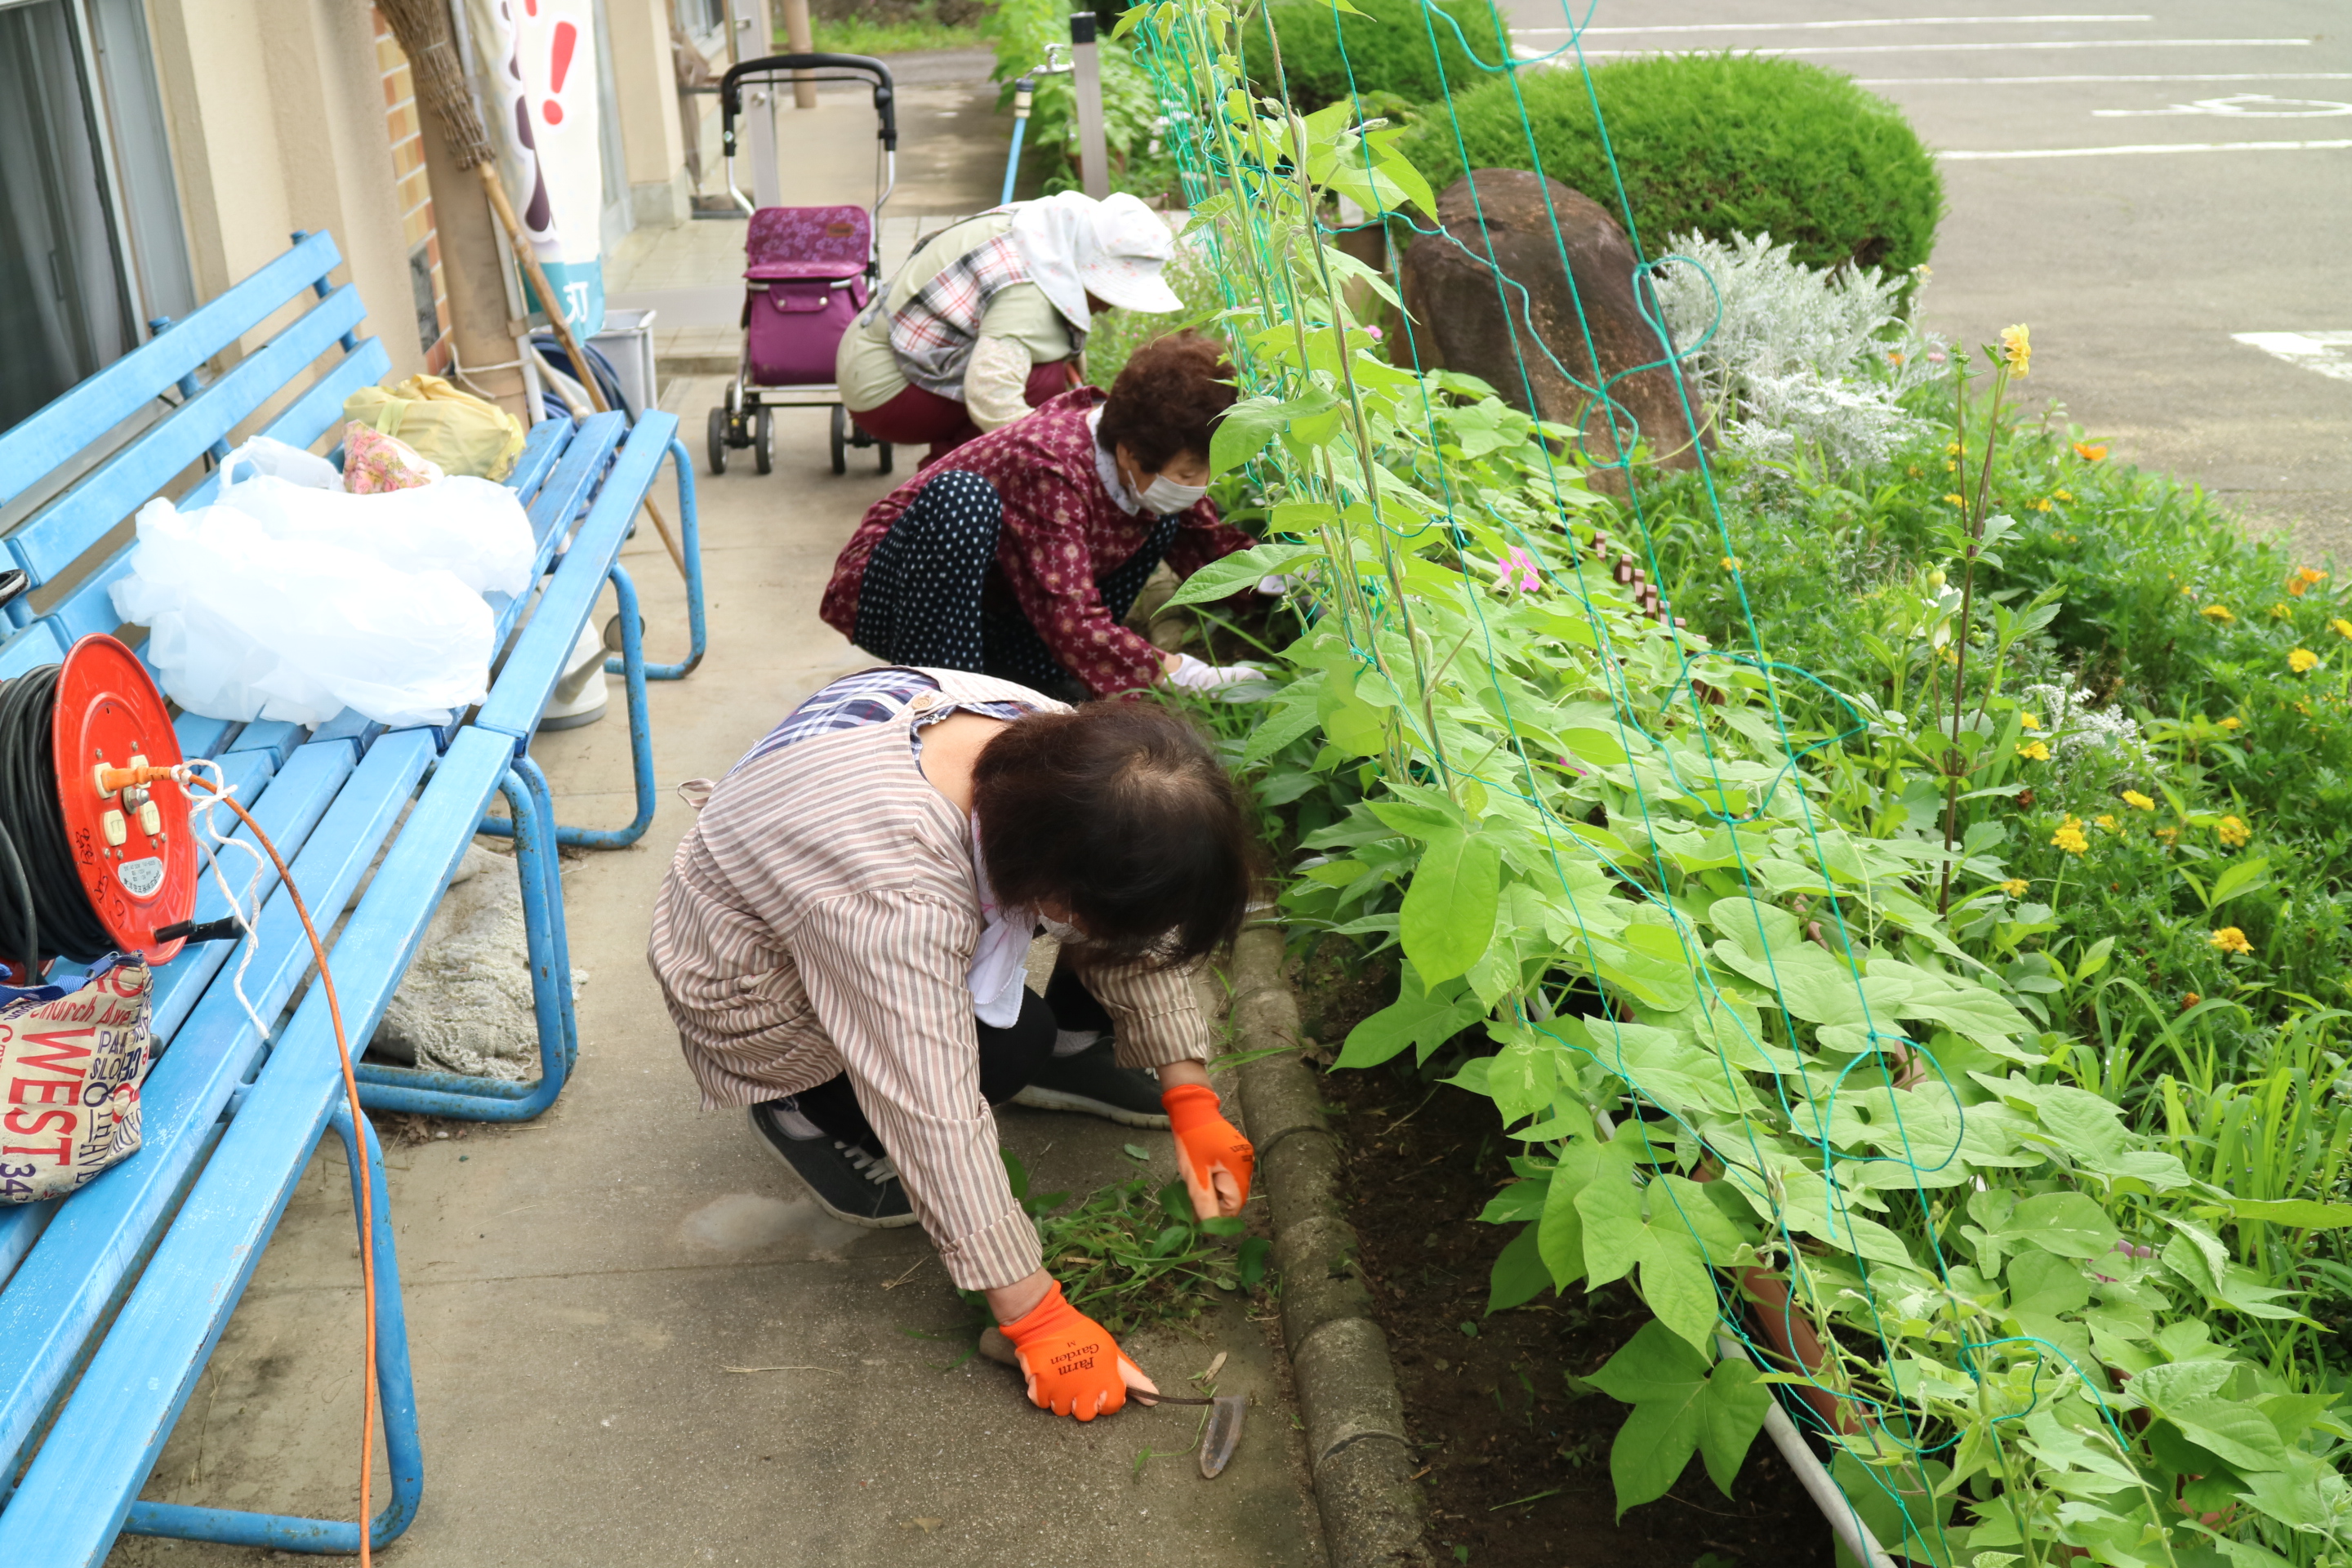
x=1789, y=360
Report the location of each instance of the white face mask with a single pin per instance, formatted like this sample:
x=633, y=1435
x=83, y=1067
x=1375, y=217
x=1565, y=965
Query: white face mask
x=1164, y=495
x=1061, y=931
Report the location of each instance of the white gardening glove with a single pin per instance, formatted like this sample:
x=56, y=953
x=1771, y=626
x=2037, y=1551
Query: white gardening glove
x=1225, y=682
x=1275, y=586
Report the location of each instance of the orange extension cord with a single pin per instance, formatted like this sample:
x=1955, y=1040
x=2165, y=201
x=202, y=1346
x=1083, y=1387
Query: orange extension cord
x=183, y=776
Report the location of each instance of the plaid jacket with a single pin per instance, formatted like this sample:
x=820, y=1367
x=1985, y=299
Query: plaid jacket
x=934, y=332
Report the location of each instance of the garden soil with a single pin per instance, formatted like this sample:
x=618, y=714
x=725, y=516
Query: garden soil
x=1515, y=1462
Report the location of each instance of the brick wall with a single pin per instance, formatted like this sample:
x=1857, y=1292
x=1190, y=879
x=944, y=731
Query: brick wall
x=403, y=122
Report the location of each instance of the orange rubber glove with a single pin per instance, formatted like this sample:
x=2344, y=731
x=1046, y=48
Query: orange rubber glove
x=1206, y=1145
x=1073, y=1365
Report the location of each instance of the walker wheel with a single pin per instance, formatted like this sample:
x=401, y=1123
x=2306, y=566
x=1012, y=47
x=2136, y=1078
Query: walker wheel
x=108, y=712
x=718, y=440
x=763, y=440
x=840, y=439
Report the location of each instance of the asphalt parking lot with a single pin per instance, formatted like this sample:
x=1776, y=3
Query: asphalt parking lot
x=2157, y=187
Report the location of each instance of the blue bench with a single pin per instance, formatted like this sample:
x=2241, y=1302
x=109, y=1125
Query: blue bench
x=110, y=1301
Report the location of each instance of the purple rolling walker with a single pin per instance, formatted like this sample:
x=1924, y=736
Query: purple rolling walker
x=808, y=271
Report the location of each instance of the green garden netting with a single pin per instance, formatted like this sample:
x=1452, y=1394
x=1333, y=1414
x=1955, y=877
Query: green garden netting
x=1744, y=1059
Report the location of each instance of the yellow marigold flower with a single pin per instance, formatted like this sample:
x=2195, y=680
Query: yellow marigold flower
x=2303, y=709
x=2303, y=579
x=2062, y=493
x=2230, y=939
x=2041, y=505
x=1914, y=471
x=1731, y=563
x=2137, y=801
x=2031, y=721
x=2169, y=835
x=2039, y=752
x=2016, y=348
x=2302, y=660
x=2015, y=887
x=2282, y=610
x=2069, y=838
x=2341, y=628
x=2089, y=453
x=1952, y=449
x=2232, y=832
x=2233, y=722
x=2109, y=823
x=2217, y=613
x=1954, y=500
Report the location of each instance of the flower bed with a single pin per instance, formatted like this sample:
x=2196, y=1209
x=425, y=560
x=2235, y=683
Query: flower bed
x=1772, y=939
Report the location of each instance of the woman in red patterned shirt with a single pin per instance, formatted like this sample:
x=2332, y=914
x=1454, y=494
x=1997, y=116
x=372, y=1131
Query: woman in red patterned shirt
x=1018, y=556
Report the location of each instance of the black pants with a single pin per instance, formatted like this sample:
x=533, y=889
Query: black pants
x=920, y=601
x=1009, y=1058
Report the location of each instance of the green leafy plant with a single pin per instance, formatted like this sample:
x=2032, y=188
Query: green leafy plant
x=1725, y=144
x=1758, y=1030
x=1396, y=48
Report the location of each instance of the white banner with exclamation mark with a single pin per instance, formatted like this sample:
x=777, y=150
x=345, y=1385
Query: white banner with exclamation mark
x=539, y=56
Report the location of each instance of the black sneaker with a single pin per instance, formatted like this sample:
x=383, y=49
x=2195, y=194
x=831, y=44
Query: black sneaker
x=849, y=1183
x=1093, y=1081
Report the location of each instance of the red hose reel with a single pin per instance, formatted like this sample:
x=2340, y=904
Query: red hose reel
x=134, y=848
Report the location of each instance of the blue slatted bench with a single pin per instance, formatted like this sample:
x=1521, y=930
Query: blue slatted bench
x=111, y=1300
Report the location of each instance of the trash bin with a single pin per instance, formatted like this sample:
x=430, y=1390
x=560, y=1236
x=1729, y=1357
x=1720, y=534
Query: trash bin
x=627, y=341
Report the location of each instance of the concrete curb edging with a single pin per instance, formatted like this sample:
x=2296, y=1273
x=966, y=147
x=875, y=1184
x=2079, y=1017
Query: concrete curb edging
x=1348, y=1395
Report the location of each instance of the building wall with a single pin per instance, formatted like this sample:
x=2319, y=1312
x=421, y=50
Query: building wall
x=277, y=110
x=403, y=118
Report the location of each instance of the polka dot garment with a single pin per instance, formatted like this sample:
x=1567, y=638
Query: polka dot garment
x=1055, y=531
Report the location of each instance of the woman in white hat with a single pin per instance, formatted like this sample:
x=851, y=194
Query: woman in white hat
x=985, y=322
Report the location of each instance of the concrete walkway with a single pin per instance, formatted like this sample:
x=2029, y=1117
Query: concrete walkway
x=637, y=1340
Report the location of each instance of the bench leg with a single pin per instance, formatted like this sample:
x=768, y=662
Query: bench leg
x=690, y=546
x=397, y=1395
x=385, y=1088
x=632, y=665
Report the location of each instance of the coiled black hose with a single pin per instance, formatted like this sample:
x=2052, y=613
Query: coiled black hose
x=50, y=915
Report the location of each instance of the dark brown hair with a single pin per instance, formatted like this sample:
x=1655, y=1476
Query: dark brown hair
x=1119, y=811
x=1170, y=391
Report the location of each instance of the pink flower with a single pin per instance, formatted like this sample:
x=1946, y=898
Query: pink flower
x=1375, y=333
x=1519, y=560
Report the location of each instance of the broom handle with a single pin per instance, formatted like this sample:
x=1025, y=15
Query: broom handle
x=497, y=191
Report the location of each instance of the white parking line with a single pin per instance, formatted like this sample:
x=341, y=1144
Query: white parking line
x=2163, y=147
x=2026, y=81
x=1800, y=26
x=2329, y=353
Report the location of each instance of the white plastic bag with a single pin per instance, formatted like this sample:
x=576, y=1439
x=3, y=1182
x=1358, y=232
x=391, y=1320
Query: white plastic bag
x=245, y=625
x=470, y=527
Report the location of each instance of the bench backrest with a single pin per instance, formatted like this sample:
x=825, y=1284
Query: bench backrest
x=320, y=356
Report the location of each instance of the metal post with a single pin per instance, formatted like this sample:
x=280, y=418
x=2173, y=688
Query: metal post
x=802, y=40
x=751, y=42
x=1094, y=152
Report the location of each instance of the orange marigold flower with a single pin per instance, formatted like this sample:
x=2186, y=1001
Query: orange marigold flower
x=2089, y=453
x=2231, y=939
x=2303, y=579
x=2189, y=999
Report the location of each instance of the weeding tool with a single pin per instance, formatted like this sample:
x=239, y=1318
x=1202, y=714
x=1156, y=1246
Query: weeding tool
x=1219, y=1440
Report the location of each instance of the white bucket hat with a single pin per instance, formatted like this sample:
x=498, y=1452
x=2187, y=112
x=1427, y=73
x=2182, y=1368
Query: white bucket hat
x=1131, y=244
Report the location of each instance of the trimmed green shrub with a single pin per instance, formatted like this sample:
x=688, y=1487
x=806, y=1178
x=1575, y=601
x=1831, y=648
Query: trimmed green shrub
x=1725, y=144
x=1388, y=50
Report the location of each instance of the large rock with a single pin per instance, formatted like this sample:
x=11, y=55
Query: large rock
x=1460, y=323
